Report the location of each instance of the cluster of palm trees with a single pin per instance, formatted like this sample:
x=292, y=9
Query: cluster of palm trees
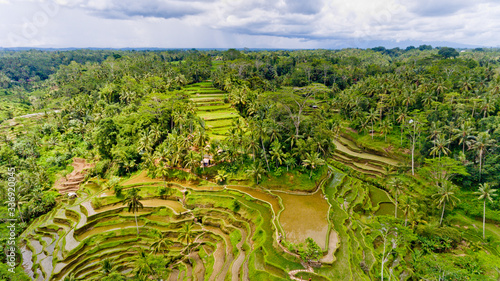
x=452, y=110
x=159, y=248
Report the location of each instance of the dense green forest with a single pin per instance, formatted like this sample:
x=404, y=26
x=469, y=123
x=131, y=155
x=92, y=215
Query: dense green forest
x=402, y=144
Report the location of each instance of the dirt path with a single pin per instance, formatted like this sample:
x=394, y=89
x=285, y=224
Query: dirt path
x=293, y=272
x=72, y=181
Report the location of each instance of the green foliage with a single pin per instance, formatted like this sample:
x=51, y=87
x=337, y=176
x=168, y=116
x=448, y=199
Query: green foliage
x=310, y=252
x=447, y=52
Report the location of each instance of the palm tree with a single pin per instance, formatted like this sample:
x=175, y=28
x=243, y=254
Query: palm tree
x=445, y=194
x=107, y=267
x=402, y=116
x=385, y=127
x=312, y=161
x=485, y=193
x=408, y=206
x=252, y=144
x=463, y=132
x=145, y=142
x=371, y=117
x=395, y=186
x=134, y=204
x=415, y=130
x=186, y=233
x=440, y=146
x=289, y=161
x=192, y=160
x=256, y=172
x=481, y=143
x=221, y=176
x=276, y=153
x=142, y=266
x=161, y=244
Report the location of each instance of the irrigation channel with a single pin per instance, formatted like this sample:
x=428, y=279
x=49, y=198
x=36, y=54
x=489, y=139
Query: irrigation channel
x=245, y=243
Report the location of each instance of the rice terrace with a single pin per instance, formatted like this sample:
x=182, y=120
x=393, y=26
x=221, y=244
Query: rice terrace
x=351, y=164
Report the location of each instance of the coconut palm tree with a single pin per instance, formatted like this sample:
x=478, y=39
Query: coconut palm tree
x=133, y=202
x=385, y=127
x=371, y=117
x=193, y=160
x=107, y=267
x=408, y=206
x=256, y=172
x=463, y=132
x=395, y=186
x=312, y=160
x=221, y=176
x=480, y=144
x=445, y=194
x=277, y=153
x=161, y=244
x=187, y=233
x=485, y=192
x=401, y=119
x=440, y=146
x=252, y=144
x=142, y=266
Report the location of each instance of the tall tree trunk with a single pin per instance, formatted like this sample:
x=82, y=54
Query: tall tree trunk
x=382, y=267
x=412, y=158
x=442, y=214
x=484, y=217
x=265, y=154
x=402, y=134
x=137, y=225
x=480, y=162
x=396, y=207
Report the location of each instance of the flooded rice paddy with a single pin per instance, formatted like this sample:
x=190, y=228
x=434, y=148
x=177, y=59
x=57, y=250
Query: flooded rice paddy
x=304, y=216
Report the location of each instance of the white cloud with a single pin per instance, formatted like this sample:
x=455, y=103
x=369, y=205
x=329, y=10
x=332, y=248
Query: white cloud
x=248, y=23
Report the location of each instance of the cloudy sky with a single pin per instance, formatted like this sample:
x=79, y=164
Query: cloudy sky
x=248, y=23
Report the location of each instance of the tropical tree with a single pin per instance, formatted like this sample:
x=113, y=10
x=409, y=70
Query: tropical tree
x=402, y=116
x=371, y=117
x=256, y=172
x=408, y=206
x=277, y=153
x=186, y=233
x=485, y=192
x=395, y=186
x=161, y=244
x=480, y=144
x=221, y=176
x=415, y=128
x=142, y=268
x=440, y=146
x=385, y=127
x=463, y=132
x=192, y=161
x=312, y=160
x=107, y=267
x=445, y=194
x=133, y=202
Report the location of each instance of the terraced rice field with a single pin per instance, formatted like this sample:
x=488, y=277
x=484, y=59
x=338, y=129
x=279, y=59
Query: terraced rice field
x=348, y=153
x=211, y=107
x=243, y=244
